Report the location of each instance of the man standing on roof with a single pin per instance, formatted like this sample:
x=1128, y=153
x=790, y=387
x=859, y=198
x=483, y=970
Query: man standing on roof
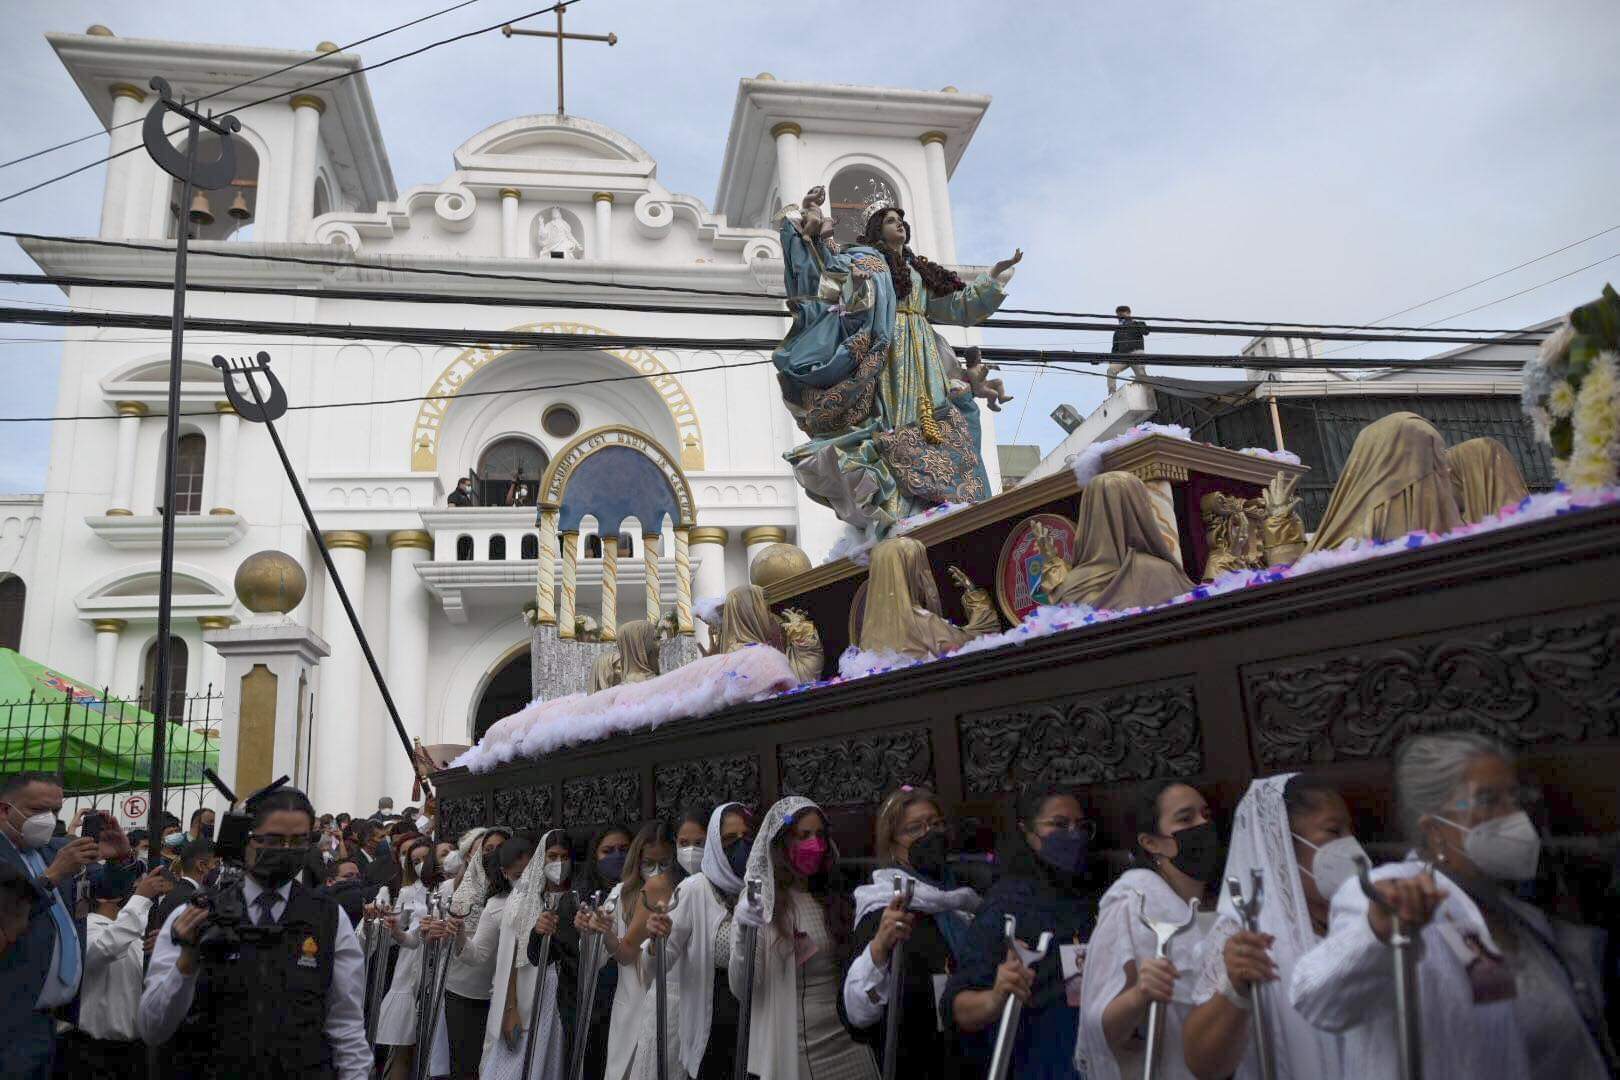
x=1127, y=339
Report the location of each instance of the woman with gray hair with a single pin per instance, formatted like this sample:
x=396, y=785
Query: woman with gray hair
x=1499, y=997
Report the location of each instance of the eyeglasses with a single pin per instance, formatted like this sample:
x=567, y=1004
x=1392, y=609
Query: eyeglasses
x=1497, y=801
x=918, y=830
x=1063, y=824
x=279, y=841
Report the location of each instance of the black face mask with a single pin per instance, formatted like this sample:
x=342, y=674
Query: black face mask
x=1198, y=852
x=737, y=856
x=927, y=855
x=492, y=865
x=274, y=867
x=1066, y=850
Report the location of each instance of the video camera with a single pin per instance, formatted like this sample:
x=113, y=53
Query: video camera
x=220, y=935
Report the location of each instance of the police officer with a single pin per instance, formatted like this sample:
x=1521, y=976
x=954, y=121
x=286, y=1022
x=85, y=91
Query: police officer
x=285, y=1002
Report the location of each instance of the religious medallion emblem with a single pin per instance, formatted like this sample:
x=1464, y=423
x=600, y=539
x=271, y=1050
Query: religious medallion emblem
x=1018, y=570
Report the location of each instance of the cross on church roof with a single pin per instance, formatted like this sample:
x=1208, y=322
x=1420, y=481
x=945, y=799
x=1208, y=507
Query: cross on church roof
x=612, y=39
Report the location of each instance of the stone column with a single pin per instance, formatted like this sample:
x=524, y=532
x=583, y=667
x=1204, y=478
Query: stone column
x=683, y=580
x=107, y=633
x=604, y=225
x=758, y=539
x=338, y=746
x=224, y=469
x=711, y=569
x=129, y=431
x=267, y=664
x=511, y=241
x=124, y=134
x=610, y=588
x=307, y=110
x=407, y=664
x=649, y=568
x=545, y=576
x=789, y=182
x=565, y=595
x=939, y=193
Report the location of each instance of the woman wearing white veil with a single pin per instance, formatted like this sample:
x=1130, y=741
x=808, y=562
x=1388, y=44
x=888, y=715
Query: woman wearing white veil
x=795, y=1032
x=700, y=941
x=1295, y=830
x=517, y=981
x=466, y=986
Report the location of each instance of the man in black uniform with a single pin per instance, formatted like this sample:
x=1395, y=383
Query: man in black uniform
x=286, y=999
x=1131, y=337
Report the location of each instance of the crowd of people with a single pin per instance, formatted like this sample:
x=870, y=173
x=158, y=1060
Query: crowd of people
x=376, y=946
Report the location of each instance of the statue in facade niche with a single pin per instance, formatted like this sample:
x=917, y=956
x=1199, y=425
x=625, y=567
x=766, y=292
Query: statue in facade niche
x=893, y=424
x=557, y=240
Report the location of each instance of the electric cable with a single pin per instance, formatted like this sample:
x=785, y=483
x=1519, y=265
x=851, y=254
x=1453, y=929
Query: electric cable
x=298, y=90
x=238, y=86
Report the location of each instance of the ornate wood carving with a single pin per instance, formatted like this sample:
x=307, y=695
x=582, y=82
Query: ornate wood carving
x=705, y=782
x=456, y=816
x=1136, y=733
x=597, y=800
x=1551, y=681
x=525, y=807
x=842, y=772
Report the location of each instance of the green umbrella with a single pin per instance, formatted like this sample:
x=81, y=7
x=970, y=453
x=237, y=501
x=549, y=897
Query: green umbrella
x=55, y=723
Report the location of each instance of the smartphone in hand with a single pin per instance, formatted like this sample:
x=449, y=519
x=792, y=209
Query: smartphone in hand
x=92, y=826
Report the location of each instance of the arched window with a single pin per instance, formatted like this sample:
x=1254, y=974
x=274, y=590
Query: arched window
x=229, y=212
x=509, y=473
x=178, y=662
x=850, y=192
x=464, y=549
x=531, y=547
x=323, y=199
x=497, y=548
x=13, y=598
x=190, y=456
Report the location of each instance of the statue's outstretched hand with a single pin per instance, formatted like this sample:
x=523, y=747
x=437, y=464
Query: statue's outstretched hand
x=1280, y=498
x=1007, y=264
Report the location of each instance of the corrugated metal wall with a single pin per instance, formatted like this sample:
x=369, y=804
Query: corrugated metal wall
x=1322, y=430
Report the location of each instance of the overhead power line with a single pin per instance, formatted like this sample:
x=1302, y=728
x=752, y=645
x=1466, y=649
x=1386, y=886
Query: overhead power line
x=238, y=86
x=298, y=90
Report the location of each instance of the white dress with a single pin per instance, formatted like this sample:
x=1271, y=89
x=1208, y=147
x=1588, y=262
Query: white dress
x=396, y=1017
x=1119, y=938
x=633, y=1028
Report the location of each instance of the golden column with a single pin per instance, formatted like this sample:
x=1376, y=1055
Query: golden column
x=610, y=588
x=565, y=609
x=683, y=580
x=649, y=564
x=545, y=583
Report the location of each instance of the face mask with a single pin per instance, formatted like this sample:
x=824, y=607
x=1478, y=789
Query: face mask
x=492, y=866
x=383, y=850
x=174, y=839
x=1506, y=848
x=737, y=856
x=422, y=824
x=417, y=865
x=274, y=867
x=453, y=863
x=690, y=858
x=37, y=830
x=611, y=865
x=807, y=856
x=1333, y=864
x=1065, y=850
x=1198, y=852
x=557, y=871
x=927, y=855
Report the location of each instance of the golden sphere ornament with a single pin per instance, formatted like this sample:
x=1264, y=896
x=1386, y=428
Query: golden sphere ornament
x=270, y=582
x=777, y=562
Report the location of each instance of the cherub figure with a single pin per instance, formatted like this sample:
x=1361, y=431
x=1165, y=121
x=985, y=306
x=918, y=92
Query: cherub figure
x=813, y=224
x=977, y=375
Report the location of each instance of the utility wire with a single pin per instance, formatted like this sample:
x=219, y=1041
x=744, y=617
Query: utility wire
x=297, y=90
x=238, y=86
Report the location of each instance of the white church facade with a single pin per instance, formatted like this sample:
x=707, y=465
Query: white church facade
x=380, y=432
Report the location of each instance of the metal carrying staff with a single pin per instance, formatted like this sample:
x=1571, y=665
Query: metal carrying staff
x=1163, y=933
x=904, y=889
x=661, y=982
x=548, y=903
x=435, y=967
x=749, y=940
x=590, y=956
x=1007, y=1033
x=1404, y=946
x=1248, y=909
x=382, y=947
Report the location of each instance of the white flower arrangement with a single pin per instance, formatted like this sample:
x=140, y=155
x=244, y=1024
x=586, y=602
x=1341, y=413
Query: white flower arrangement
x=1572, y=394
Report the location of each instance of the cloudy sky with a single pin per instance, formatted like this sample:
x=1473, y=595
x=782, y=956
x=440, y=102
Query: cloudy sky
x=1248, y=159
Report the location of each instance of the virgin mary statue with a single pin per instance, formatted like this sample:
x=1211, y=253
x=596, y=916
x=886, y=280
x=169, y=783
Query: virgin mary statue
x=892, y=422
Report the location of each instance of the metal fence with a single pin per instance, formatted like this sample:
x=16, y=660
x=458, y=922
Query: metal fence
x=101, y=747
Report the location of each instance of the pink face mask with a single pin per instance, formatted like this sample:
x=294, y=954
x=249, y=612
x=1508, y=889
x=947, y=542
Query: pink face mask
x=807, y=856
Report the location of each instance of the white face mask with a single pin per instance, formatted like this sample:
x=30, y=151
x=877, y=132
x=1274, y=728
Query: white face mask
x=1334, y=863
x=690, y=858
x=452, y=863
x=1507, y=848
x=422, y=824
x=37, y=830
x=557, y=870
